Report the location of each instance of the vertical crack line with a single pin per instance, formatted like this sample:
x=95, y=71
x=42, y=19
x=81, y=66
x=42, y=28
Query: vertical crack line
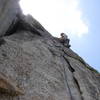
x=78, y=87
x=73, y=70
x=70, y=67
x=65, y=77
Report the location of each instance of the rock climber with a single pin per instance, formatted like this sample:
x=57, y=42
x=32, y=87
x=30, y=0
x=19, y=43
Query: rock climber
x=65, y=40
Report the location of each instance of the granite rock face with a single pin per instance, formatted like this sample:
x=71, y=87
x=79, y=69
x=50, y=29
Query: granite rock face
x=8, y=11
x=34, y=65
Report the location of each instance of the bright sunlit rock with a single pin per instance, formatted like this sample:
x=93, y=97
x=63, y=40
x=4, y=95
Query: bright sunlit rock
x=57, y=15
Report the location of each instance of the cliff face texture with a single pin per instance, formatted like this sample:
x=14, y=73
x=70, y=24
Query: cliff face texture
x=36, y=66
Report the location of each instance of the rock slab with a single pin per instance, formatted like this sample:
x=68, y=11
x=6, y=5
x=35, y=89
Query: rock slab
x=36, y=66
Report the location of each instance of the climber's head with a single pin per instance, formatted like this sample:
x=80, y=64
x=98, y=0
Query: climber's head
x=62, y=34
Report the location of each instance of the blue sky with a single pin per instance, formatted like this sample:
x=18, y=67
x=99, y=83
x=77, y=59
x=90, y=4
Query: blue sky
x=89, y=47
x=77, y=18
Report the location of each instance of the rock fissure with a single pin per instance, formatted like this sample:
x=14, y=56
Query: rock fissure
x=70, y=53
x=73, y=71
x=78, y=86
x=66, y=81
x=70, y=67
